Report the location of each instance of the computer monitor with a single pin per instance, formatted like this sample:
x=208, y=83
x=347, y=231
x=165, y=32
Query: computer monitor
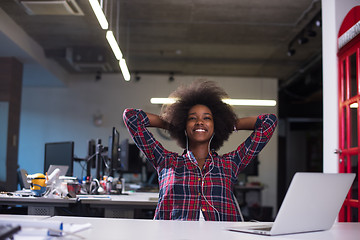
x=59, y=153
x=130, y=159
x=113, y=152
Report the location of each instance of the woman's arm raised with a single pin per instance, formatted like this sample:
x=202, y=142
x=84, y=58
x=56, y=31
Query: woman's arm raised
x=156, y=121
x=246, y=123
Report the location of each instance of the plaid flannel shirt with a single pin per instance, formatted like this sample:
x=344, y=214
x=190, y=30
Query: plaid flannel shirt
x=184, y=188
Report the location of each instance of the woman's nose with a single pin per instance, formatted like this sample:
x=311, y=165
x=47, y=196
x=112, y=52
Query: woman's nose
x=199, y=122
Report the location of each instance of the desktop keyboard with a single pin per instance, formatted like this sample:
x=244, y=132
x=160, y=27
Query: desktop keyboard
x=7, y=231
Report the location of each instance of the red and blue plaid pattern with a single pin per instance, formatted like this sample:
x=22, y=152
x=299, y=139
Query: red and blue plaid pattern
x=185, y=189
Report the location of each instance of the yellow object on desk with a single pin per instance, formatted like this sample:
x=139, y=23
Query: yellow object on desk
x=37, y=183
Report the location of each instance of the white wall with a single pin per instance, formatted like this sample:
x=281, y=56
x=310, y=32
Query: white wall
x=38, y=69
x=333, y=13
x=64, y=114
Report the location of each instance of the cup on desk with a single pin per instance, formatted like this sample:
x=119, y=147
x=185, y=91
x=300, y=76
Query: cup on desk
x=73, y=189
x=71, y=184
x=120, y=185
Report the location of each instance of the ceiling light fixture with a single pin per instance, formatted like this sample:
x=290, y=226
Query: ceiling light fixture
x=171, y=77
x=302, y=40
x=114, y=45
x=163, y=100
x=124, y=69
x=233, y=102
x=305, y=35
x=99, y=14
x=110, y=38
x=291, y=52
x=98, y=76
x=250, y=102
x=137, y=76
x=311, y=33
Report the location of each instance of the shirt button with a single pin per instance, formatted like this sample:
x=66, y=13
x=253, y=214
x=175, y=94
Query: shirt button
x=199, y=179
x=203, y=209
x=199, y=194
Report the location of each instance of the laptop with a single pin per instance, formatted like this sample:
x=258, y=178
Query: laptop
x=312, y=203
x=63, y=169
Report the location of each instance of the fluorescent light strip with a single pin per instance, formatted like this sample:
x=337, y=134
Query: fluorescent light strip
x=124, y=69
x=250, y=102
x=234, y=102
x=354, y=105
x=114, y=45
x=162, y=100
x=99, y=14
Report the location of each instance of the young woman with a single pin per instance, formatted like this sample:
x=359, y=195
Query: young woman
x=198, y=183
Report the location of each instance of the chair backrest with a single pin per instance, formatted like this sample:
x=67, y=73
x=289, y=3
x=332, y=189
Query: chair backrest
x=22, y=179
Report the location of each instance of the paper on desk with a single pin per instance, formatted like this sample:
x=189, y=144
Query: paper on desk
x=52, y=228
x=75, y=228
x=29, y=233
x=32, y=234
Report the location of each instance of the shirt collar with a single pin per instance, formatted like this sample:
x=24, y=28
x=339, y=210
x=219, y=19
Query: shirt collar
x=192, y=163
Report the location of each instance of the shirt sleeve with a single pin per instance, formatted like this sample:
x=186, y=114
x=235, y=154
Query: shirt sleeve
x=264, y=128
x=137, y=122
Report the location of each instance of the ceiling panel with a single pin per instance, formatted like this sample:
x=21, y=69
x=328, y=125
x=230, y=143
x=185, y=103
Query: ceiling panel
x=189, y=37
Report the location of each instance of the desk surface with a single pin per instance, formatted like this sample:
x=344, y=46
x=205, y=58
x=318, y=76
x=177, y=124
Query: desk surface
x=131, y=198
x=5, y=199
x=112, y=205
x=111, y=228
x=195, y=230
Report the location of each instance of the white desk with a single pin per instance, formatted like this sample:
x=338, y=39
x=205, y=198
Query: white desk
x=37, y=205
x=134, y=199
x=121, y=206
x=128, y=229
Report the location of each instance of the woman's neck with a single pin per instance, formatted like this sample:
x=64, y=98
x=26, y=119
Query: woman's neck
x=200, y=153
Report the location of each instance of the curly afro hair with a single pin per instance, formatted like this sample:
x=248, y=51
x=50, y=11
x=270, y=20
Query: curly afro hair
x=205, y=93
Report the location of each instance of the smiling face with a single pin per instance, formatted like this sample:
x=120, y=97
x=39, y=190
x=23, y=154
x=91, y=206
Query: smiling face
x=199, y=125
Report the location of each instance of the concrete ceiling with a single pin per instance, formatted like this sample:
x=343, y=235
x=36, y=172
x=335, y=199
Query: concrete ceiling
x=187, y=37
